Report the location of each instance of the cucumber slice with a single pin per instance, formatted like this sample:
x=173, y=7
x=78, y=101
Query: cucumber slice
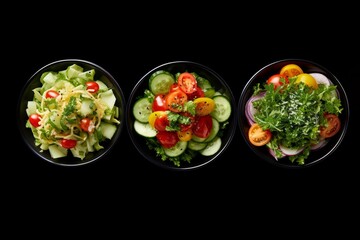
x=196, y=146
x=176, y=150
x=144, y=129
x=222, y=109
x=212, y=147
x=142, y=110
x=214, y=130
x=160, y=82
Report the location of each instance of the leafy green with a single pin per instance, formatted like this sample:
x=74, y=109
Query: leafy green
x=294, y=113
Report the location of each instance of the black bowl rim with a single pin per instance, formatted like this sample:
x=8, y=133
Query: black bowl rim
x=122, y=105
x=232, y=128
x=345, y=104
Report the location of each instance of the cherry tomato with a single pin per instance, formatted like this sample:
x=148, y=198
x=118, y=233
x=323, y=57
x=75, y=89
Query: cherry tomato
x=87, y=125
x=34, y=119
x=291, y=70
x=187, y=82
x=204, y=106
x=197, y=94
x=68, y=143
x=51, y=94
x=153, y=116
x=167, y=139
x=277, y=80
x=92, y=86
x=258, y=136
x=307, y=79
x=159, y=103
x=161, y=122
x=202, y=126
x=185, y=135
x=185, y=127
x=175, y=100
x=174, y=87
x=332, y=127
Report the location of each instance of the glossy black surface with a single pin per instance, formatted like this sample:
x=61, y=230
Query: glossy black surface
x=174, y=67
x=308, y=67
x=27, y=94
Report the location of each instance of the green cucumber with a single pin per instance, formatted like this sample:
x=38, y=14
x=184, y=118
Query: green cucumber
x=176, y=150
x=196, y=146
x=144, y=129
x=142, y=109
x=160, y=82
x=222, y=109
x=212, y=147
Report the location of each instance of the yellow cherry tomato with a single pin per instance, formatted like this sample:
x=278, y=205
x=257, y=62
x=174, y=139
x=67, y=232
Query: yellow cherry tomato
x=204, y=106
x=154, y=115
x=307, y=79
x=185, y=135
x=291, y=70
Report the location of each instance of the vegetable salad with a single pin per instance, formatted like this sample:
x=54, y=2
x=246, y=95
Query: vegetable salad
x=293, y=113
x=72, y=111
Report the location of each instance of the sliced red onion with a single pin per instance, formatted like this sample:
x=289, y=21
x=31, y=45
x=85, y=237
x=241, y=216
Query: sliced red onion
x=320, y=144
x=290, y=151
x=321, y=79
x=249, y=108
x=272, y=152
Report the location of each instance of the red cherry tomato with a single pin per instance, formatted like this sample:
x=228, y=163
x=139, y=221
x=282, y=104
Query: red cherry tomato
x=187, y=82
x=159, y=103
x=197, y=94
x=87, y=125
x=202, y=126
x=68, y=143
x=51, y=94
x=332, y=127
x=34, y=119
x=161, y=122
x=277, y=80
x=92, y=86
x=167, y=139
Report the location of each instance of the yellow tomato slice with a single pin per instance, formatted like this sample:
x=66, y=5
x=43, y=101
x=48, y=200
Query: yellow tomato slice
x=185, y=135
x=204, y=106
x=291, y=70
x=307, y=79
x=154, y=115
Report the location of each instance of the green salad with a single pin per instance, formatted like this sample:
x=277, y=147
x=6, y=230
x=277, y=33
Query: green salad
x=72, y=111
x=181, y=115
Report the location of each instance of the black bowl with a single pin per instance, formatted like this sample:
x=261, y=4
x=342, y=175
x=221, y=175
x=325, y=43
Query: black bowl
x=176, y=67
x=27, y=94
x=315, y=156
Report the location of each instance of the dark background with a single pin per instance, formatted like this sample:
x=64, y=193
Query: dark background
x=237, y=182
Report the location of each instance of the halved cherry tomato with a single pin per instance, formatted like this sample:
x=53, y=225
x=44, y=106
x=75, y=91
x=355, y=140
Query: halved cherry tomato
x=187, y=82
x=185, y=127
x=185, y=135
x=52, y=94
x=167, y=139
x=291, y=70
x=34, y=119
x=202, y=126
x=332, y=127
x=174, y=87
x=153, y=116
x=258, y=136
x=307, y=79
x=87, y=125
x=197, y=94
x=161, y=122
x=159, y=103
x=68, y=143
x=277, y=80
x=175, y=100
x=204, y=106
x=92, y=86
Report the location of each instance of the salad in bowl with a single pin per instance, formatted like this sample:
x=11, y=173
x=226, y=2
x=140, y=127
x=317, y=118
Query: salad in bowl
x=295, y=113
x=180, y=115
